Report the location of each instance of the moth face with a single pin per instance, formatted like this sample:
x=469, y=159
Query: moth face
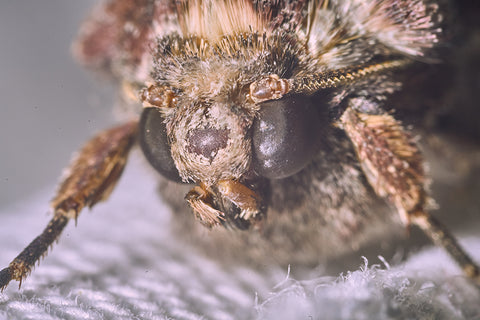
x=212, y=142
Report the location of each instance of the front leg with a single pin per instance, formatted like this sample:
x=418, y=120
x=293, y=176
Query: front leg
x=229, y=203
x=389, y=158
x=394, y=167
x=90, y=178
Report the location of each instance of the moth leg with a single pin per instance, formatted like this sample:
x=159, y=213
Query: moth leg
x=229, y=202
x=201, y=201
x=90, y=178
x=241, y=196
x=440, y=235
x=394, y=168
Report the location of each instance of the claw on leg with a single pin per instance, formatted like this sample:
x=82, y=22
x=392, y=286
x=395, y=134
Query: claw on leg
x=90, y=179
x=440, y=235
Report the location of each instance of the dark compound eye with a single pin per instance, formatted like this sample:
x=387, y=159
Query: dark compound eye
x=154, y=143
x=285, y=136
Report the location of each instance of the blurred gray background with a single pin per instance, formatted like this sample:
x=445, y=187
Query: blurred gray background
x=50, y=105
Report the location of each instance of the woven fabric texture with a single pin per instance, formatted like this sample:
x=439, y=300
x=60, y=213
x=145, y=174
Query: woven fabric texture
x=122, y=262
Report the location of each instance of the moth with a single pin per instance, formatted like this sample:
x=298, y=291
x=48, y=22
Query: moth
x=268, y=122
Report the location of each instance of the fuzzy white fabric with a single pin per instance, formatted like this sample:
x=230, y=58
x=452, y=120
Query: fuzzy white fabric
x=122, y=262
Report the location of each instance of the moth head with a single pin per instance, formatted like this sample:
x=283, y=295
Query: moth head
x=208, y=141
x=227, y=150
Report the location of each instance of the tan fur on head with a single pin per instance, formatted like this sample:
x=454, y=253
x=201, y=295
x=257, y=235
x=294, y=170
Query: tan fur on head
x=212, y=19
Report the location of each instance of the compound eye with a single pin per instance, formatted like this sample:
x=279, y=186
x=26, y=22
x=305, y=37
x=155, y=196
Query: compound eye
x=154, y=143
x=285, y=135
